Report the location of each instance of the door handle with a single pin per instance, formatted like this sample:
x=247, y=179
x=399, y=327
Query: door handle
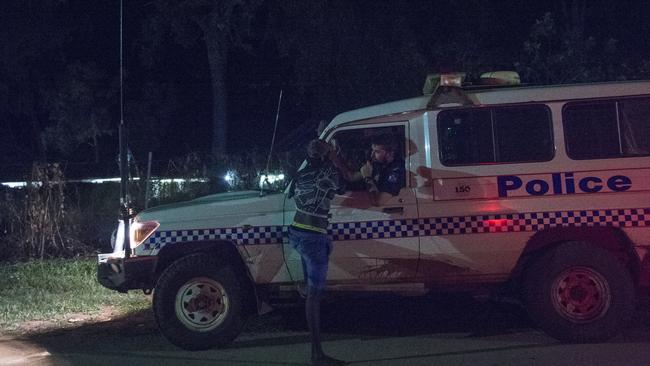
x=396, y=209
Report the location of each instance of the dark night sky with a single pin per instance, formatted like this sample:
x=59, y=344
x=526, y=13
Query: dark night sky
x=369, y=62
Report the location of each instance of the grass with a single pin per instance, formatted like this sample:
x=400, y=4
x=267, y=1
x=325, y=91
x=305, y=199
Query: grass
x=48, y=290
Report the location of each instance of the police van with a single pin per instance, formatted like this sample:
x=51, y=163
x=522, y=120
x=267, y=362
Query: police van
x=538, y=192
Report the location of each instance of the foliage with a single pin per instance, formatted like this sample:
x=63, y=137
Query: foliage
x=48, y=218
x=31, y=35
x=79, y=110
x=152, y=110
x=47, y=223
x=220, y=26
x=45, y=212
x=557, y=54
x=205, y=174
x=191, y=169
x=11, y=225
x=48, y=290
x=95, y=215
x=59, y=82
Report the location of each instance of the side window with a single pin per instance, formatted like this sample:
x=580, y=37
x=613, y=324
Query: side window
x=523, y=134
x=465, y=137
x=613, y=129
x=495, y=135
x=591, y=130
x=634, y=120
x=355, y=147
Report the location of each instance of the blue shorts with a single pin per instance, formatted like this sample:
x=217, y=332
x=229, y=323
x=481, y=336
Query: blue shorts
x=314, y=249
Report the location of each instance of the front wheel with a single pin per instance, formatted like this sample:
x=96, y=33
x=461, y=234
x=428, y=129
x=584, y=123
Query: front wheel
x=579, y=293
x=198, y=303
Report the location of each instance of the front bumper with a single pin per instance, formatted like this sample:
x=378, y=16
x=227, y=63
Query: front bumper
x=123, y=274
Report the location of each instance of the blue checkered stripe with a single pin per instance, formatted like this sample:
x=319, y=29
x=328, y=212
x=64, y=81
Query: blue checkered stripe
x=375, y=229
x=250, y=236
x=534, y=221
x=453, y=225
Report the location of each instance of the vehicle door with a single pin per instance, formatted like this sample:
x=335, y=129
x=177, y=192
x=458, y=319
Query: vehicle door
x=370, y=244
x=373, y=243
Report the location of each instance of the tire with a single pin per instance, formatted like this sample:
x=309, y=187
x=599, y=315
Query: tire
x=198, y=303
x=579, y=293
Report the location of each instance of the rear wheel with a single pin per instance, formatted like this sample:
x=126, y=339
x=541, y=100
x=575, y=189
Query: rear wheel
x=198, y=303
x=579, y=293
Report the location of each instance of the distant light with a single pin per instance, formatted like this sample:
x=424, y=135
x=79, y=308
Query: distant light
x=14, y=184
x=102, y=180
x=108, y=180
x=270, y=179
x=231, y=178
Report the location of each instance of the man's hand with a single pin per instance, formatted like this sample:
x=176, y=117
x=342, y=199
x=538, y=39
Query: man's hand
x=366, y=170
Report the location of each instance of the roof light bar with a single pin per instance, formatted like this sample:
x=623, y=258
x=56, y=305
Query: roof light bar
x=453, y=79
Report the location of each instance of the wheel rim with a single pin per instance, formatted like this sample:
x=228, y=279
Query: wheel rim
x=580, y=295
x=202, y=304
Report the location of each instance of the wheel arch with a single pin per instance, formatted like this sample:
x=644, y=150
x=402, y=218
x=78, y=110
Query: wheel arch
x=611, y=239
x=225, y=250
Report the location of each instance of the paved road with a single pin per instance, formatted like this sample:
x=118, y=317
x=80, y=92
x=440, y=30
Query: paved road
x=454, y=331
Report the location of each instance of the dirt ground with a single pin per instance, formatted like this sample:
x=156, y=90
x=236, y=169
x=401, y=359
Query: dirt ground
x=372, y=331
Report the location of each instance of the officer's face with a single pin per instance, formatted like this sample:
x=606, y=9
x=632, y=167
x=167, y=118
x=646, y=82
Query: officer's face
x=381, y=154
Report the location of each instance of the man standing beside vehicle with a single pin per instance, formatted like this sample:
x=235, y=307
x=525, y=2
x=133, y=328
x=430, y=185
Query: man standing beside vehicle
x=314, y=187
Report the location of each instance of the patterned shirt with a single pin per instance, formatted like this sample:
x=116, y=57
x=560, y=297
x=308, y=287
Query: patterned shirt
x=313, y=189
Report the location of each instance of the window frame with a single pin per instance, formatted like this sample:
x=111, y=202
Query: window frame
x=405, y=144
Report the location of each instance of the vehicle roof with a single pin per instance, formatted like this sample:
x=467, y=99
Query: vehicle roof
x=502, y=95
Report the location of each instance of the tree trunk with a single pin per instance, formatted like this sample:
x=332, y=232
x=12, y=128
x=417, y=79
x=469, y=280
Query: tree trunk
x=38, y=139
x=96, y=148
x=217, y=49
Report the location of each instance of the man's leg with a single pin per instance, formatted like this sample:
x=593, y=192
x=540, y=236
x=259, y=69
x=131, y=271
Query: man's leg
x=314, y=250
x=312, y=311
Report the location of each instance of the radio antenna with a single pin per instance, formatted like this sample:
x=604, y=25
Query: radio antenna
x=121, y=65
x=275, y=129
x=124, y=164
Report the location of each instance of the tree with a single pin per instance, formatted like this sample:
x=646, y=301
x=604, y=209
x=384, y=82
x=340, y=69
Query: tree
x=32, y=33
x=341, y=55
x=219, y=25
x=565, y=52
x=556, y=55
x=79, y=110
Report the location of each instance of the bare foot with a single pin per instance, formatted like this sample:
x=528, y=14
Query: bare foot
x=325, y=360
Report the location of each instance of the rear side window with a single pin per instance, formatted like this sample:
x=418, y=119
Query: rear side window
x=607, y=129
x=495, y=135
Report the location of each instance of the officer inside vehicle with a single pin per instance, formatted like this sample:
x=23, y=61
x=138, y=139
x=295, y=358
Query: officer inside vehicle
x=384, y=174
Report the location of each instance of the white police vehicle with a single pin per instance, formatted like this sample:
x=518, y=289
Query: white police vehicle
x=539, y=192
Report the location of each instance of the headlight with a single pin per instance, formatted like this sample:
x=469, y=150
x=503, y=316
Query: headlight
x=117, y=238
x=141, y=231
x=113, y=238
